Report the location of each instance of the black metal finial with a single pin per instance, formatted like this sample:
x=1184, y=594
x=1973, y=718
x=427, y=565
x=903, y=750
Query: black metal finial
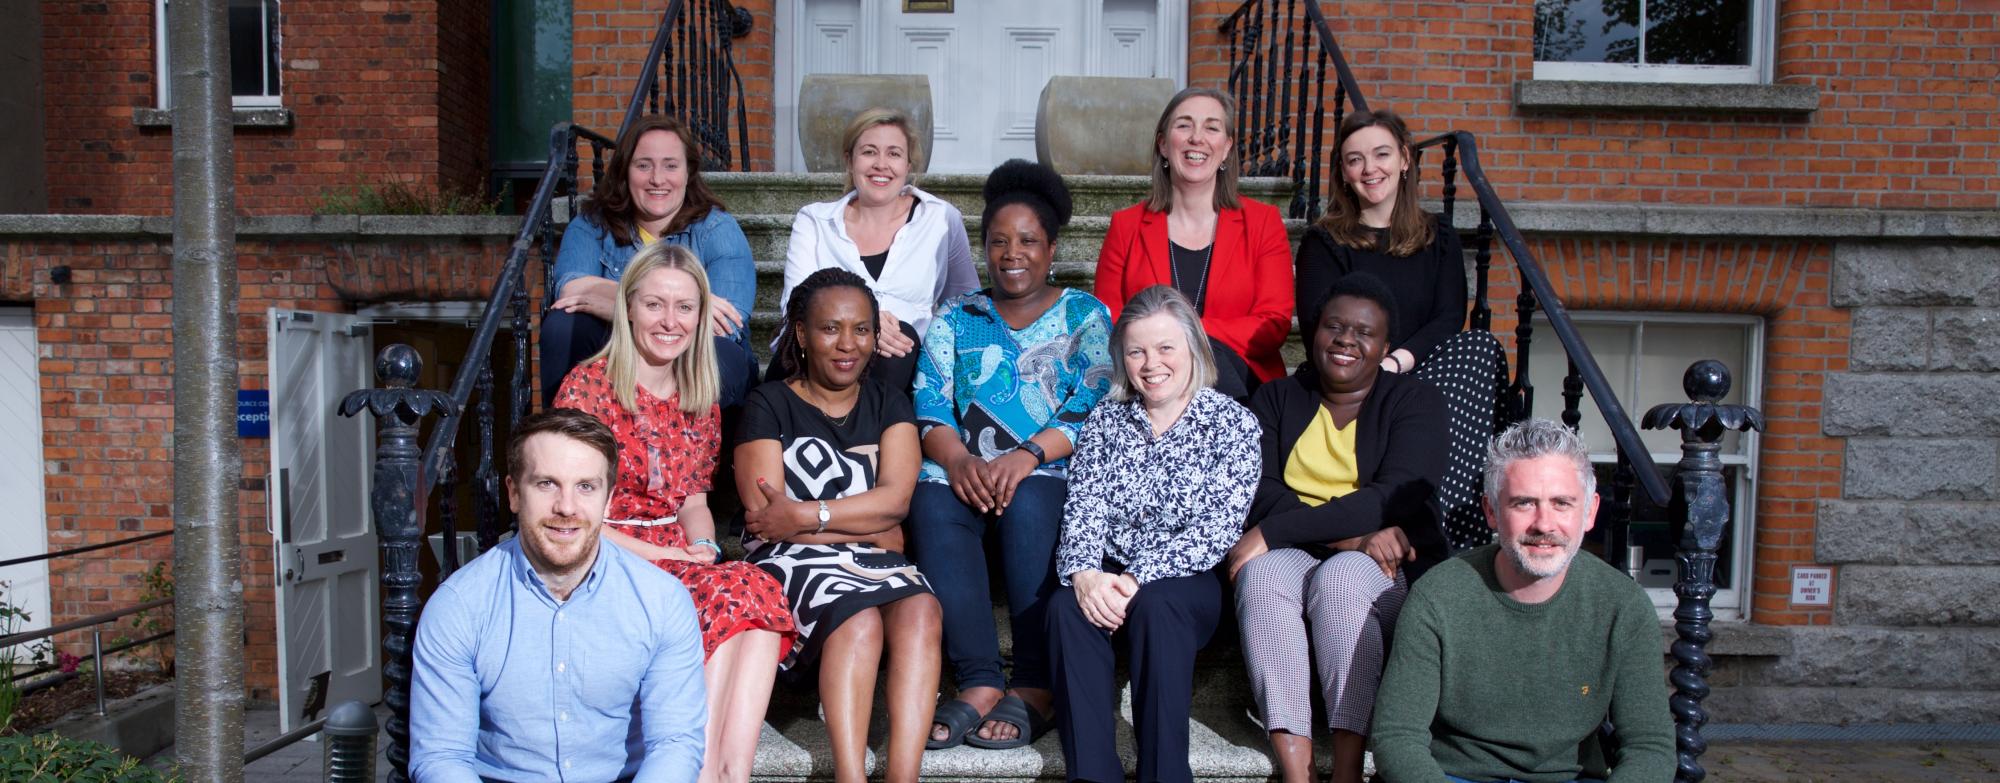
x=398, y=366
x=1706, y=381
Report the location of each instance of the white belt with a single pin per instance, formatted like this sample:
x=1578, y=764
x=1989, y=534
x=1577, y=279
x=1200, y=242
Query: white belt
x=645, y=522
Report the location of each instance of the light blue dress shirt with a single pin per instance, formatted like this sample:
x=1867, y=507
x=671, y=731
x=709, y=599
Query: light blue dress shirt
x=510, y=684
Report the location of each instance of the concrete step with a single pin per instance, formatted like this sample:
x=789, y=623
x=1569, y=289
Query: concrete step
x=775, y=193
x=1223, y=744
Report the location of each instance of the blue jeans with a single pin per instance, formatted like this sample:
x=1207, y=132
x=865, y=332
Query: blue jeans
x=1456, y=779
x=946, y=540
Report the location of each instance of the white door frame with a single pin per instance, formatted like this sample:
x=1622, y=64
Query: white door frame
x=1171, y=49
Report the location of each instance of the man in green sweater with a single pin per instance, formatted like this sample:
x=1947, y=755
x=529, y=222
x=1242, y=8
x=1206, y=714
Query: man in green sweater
x=1508, y=657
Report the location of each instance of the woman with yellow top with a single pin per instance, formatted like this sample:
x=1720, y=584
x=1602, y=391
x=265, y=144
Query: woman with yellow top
x=1344, y=519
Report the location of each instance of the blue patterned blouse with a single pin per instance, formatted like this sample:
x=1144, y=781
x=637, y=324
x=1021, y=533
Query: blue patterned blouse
x=997, y=386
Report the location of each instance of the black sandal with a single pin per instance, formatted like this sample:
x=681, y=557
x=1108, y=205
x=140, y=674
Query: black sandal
x=959, y=720
x=1013, y=711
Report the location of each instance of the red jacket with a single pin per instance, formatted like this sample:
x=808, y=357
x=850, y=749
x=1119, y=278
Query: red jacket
x=1249, y=294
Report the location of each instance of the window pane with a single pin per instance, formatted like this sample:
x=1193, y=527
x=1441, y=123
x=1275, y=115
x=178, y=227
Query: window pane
x=1587, y=31
x=1656, y=530
x=1698, y=32
x=1611, y=344
x=270, y=46
x=247, y=51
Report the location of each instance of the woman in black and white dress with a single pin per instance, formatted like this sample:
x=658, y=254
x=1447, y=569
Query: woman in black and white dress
x=828, y=461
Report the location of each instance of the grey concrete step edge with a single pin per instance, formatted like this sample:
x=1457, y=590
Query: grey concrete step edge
x=1223, y=743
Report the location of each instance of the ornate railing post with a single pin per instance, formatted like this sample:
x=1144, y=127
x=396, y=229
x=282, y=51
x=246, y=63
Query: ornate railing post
x=1702, y=498
x=397, y=505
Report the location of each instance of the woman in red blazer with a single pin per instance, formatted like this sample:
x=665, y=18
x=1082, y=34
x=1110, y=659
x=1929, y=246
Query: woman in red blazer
x=1229, y=255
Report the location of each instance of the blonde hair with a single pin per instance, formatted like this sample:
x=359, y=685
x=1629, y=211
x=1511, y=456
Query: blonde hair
x=1160, y=198
x=1153, y=301
x=695, y=378
x=869, y=118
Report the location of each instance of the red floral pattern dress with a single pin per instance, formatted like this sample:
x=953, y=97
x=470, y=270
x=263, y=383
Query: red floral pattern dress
x=665, y=455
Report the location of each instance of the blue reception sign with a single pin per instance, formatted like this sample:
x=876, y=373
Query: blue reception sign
x=253, y=413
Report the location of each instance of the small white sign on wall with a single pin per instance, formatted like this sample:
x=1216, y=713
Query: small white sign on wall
x=1812, y=586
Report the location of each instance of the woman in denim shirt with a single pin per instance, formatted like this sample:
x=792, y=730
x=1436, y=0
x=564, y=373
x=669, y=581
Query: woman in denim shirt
x=651, y=191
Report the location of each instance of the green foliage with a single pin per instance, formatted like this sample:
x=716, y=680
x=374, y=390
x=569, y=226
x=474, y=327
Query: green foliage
x=11, y=619
x=401, y=198
x=50, y=758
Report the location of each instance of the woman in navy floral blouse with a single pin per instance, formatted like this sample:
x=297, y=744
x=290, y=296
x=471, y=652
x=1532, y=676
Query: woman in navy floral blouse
x=1161, y=480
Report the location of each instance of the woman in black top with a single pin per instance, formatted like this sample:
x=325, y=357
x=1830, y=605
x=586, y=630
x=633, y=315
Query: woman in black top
x=1342, y=522
x=1375, y=226
x=828, y=461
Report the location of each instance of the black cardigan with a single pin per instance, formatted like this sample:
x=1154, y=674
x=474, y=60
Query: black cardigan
x=1400, y=451
x=1429, y=285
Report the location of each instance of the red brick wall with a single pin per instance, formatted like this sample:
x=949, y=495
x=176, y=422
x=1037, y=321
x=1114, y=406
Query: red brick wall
x=612, y=37
x=106, y=385
x=379, y=90
x=1908, y=114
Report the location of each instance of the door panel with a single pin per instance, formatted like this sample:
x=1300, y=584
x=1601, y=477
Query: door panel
x=26, y=532
x=328, y=639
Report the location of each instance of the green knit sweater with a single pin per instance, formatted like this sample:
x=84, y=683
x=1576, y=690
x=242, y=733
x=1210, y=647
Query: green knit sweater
x=1484, y=687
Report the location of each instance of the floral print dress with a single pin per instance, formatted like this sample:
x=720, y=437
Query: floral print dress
x=665, y=455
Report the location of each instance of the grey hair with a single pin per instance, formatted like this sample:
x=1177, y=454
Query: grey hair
x=1532, y=439
x=1155, y=301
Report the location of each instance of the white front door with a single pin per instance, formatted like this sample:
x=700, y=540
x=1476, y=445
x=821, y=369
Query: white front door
x=23, y=532
x=987, y=61
x=328, y=627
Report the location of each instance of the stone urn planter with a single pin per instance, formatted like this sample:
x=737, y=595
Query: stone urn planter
x=828, y=101
x=1099, y=124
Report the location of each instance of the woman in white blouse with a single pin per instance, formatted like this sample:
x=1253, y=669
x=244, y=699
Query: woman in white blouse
x=909, y=245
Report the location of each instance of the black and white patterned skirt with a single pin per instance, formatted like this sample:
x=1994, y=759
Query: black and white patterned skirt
x=827, y=583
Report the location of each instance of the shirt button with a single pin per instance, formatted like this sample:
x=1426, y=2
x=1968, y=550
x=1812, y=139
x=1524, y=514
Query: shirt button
x=560, y=665
x=564, y=716
x=565, y=763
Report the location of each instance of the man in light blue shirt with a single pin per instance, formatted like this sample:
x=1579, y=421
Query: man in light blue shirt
x=558, y=656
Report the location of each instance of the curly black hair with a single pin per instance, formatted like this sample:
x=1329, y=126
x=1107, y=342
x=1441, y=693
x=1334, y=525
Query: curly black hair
x=1359, y=285
x=1034, y=184
x=788, y=352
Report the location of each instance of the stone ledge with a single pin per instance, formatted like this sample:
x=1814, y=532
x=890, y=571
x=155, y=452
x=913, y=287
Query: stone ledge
x=271, y=226
x=1562, y=96
x=1735, y=639
x=273, y=117
x=1771, y=222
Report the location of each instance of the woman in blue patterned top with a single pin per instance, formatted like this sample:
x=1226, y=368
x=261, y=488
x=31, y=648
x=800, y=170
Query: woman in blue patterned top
x=1162, y=479
x=1005, y=380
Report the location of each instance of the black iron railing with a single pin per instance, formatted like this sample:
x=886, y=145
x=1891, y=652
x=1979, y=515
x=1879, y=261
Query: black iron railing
x=1280, y=52
x=688, y=73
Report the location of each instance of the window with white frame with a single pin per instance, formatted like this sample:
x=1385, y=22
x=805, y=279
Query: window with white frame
x=1643, y=356
x=1690, y=41
x=253, y=53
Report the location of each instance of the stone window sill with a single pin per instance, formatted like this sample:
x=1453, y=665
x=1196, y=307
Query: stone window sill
x=272, y=117
x=1545, y=95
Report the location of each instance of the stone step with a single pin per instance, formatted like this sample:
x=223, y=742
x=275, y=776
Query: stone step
x=776, y=193
x=1223, y=744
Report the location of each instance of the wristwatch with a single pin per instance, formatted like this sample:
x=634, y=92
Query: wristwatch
x=825, y=515
x=1034, y=449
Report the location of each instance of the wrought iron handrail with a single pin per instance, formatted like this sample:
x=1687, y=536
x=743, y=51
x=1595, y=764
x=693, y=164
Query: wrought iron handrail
x=1584, y=363
x=704, y=86
x=82, y=549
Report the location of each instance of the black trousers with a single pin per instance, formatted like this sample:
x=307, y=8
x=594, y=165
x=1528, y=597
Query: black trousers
x=569, y=338
x=1165, y=625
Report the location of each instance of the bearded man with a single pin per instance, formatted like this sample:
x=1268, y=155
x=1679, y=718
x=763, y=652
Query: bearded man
x=557, y=655
x=1509, y=657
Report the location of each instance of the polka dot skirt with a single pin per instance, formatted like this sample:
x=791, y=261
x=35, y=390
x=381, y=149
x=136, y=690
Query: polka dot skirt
x=1463, y=368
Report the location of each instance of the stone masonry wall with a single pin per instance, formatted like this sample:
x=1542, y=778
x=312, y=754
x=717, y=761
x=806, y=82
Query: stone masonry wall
x=1915, y=530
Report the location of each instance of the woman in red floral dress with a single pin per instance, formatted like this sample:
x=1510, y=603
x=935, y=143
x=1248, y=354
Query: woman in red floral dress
x=655, y=386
